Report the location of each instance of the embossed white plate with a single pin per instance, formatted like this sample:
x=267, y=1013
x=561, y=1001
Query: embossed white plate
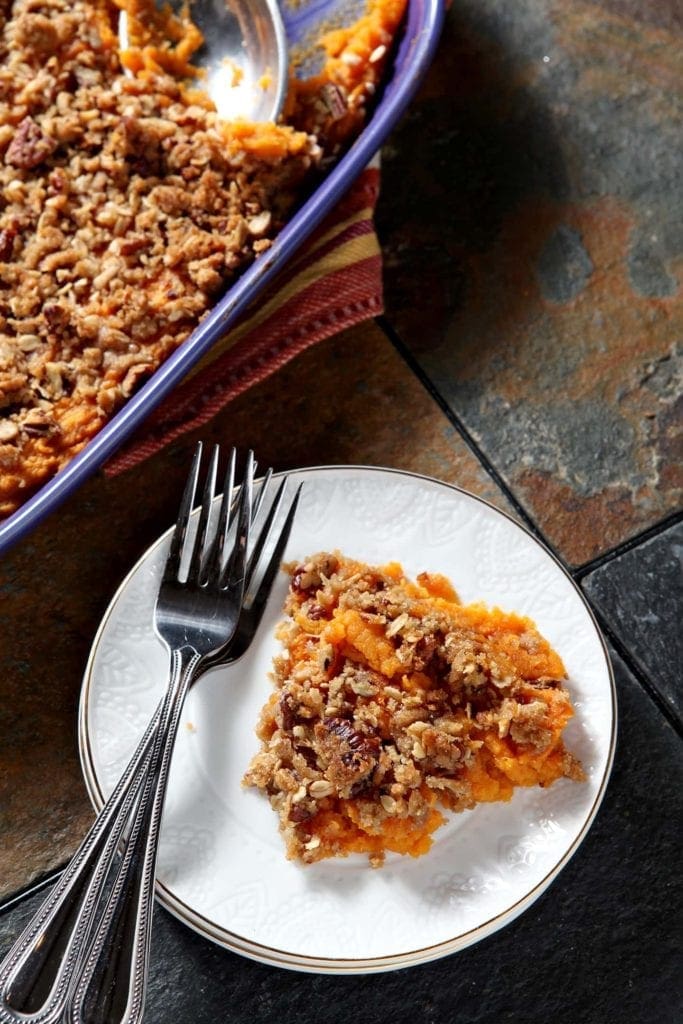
x=222, y=868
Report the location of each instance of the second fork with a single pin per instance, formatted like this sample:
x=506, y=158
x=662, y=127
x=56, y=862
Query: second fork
x=76, y=958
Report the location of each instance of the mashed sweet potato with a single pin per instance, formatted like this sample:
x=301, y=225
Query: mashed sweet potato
x=395, y=702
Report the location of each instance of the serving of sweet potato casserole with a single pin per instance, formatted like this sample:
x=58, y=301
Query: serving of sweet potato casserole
x=394, y=701
x=128, y=207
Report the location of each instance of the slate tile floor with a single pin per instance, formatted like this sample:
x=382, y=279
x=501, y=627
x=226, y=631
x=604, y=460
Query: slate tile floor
x=531, y=226
x=640, y=596
x=600, y=947
x=530, y=222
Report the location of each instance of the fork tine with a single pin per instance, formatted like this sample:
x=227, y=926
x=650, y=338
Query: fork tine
x=215, y=559
x=172, y=567
x=198, y=552
x=234, y=574
x=257, y=603
x=258, y=501
x=262, y=539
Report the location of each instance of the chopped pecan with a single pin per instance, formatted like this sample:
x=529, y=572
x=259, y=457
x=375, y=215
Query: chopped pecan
x=303, y=579
x=30, y=146
x=36, y=423
x=299, y=813
x=288, y=712
x=55, y=314
x=7, y=237
x=342, y=728
x=351, y=755
x=315, y=612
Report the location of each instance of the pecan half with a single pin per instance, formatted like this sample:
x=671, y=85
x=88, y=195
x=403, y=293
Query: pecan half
x=30, y=146
x=351, y=755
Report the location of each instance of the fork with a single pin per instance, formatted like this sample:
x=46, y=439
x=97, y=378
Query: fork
x=84, y=955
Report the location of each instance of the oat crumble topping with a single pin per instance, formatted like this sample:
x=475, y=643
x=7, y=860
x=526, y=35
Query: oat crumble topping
x=127, y=207
x=393, y=699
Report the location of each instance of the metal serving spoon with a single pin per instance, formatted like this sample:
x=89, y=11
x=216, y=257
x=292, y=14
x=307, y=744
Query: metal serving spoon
x=244, y=55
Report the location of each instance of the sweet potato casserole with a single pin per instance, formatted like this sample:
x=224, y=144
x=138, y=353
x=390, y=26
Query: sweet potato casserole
x=392, y=700
x=128, y=206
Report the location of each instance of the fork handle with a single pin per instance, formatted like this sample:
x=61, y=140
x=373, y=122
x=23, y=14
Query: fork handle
x=112, y=981
x=35, y=973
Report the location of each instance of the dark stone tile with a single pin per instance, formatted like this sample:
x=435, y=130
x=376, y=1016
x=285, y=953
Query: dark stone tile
x=641, y=596
x=351, y=399
x=531, y=224
x=563, y=267
x=600, y=947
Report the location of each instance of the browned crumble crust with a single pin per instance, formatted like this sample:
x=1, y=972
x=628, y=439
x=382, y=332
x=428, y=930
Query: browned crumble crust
x=390, y=698
x=126, y=208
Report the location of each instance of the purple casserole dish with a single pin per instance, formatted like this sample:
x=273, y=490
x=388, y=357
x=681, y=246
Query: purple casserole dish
x=420, y=35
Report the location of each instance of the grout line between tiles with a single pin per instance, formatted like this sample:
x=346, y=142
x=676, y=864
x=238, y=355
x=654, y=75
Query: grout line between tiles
x=577, y=574
x=464, y=433
x=628, y=545
x=30, y=890
x=636, y=671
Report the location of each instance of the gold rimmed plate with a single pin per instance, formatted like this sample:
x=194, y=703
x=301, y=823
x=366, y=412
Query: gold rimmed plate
x=222, y=868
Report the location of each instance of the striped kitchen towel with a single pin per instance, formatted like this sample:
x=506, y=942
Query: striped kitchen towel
x=333, y=283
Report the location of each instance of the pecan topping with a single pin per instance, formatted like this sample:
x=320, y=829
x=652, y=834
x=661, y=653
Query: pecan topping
x=362, y=744
x=304, y=579
x=342, y=728
x=299, y=813
x=36, y=423
x=315, y=612
x=55, y=314
x=352, y=756
x=30, y=146
x=107, y=258
x=288, y=712
x=6, y=244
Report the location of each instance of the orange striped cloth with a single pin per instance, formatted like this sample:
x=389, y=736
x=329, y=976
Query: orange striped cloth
x=334, y=282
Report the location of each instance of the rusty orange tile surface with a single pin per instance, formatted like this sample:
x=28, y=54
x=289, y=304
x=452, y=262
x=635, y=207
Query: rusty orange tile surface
x=351, y=399
x=532, y=221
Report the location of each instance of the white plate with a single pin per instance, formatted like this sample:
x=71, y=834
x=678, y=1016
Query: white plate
x=222, y=868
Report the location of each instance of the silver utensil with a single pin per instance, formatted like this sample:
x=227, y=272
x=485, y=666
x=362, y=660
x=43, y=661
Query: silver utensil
x=244, y=55
x=84, y=955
